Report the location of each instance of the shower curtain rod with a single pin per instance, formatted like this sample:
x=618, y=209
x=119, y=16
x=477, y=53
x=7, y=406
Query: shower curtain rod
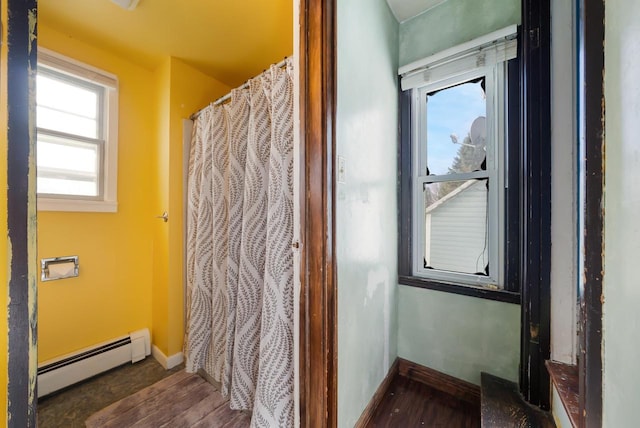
x=228, y=96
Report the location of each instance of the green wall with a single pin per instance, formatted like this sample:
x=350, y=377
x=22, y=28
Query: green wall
x=366, y=216
x=458, y=335
x=622, y=205
x=452, y=23
x=455, y=334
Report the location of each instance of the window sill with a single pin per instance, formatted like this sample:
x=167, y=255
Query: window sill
x=483, y=293
x=76, y=205
x=565, y=379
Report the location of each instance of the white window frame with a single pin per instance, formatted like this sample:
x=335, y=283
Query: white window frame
x=484, y=57
x=107, y=201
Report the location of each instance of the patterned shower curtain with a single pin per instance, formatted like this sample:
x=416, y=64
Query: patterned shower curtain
x=239, y=257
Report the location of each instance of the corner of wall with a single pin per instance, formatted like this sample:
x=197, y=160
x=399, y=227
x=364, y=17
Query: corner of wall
x=181, y=90
x=168, y=362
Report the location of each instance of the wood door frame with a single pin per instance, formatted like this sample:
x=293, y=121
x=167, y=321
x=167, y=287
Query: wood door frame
x=591, y=119
x=21, y=34
x=318, y=312
x=535, y=215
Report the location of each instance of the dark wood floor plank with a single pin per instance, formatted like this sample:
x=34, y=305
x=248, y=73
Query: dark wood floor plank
x=409, y=403
x=504, y=406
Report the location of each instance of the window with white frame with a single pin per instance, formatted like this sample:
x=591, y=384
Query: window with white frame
x=77, y=141
x=459, y=174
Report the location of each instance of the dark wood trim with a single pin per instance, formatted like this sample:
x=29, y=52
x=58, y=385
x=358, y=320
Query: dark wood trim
x=565, y=378
x=483, y=293
x=535, y=214
x=318, y=320
x=591, y=127
x=21, y=216
x=453, y=386
x=513, y=192
x=405, y=184
x=369, y=412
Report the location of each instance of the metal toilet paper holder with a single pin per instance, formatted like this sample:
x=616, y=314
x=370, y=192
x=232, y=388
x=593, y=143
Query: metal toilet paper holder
x=58, y=268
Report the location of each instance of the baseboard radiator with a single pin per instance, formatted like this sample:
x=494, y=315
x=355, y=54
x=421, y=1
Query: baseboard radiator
x=59, y=373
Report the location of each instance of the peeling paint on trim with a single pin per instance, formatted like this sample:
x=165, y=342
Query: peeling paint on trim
x=21, y=213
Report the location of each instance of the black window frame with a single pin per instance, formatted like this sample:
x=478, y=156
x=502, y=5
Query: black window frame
x=511, y=291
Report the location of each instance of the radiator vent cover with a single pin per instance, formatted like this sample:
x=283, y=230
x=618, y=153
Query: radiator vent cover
x=67, y=370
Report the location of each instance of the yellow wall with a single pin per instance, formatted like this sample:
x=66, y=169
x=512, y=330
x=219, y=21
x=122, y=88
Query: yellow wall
x=161, y=201
x=112, y=295
x=4, y=264
x=130, y=262
x=182, y=90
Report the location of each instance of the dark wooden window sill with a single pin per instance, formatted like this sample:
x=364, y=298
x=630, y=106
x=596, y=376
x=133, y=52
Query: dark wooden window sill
x=565, y=379
x=483, y=293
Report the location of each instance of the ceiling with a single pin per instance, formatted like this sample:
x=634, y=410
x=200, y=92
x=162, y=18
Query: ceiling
x=229, y=40
x=405, y=9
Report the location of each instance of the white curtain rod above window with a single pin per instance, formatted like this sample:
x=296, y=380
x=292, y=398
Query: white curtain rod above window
x=460, y=60
x=476, y=43
x=228, y=96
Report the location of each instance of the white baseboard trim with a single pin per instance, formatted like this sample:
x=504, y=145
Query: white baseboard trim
x=166, y=362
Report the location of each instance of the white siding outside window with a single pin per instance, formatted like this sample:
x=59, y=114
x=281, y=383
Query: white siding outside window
x=456, y=237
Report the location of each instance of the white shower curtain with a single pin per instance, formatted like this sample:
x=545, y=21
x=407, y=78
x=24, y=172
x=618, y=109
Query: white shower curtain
x=239, y=257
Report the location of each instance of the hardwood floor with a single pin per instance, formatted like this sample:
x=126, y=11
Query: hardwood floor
x=144, y=394
x=504, y=406
x=408, y=403
x=69, y=408
x=182, y=400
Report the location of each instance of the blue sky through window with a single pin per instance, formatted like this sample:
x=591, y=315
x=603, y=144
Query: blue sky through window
x=451, y=111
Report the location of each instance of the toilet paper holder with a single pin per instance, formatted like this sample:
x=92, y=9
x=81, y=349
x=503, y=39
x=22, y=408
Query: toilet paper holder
x=59, y=268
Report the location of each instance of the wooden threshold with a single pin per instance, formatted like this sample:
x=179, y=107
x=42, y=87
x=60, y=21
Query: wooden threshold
x=566, y=380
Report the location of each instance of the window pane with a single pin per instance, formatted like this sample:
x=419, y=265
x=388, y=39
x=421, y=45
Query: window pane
x=67, y=167
x=64, y=122
x=456, y=129
x=456, y=226
x=57, y=186
x=65, y=107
